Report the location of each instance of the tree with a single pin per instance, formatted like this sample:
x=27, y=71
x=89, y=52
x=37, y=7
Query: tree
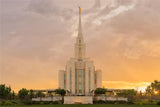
x=130, y=94
x=149, y=91
x=31, y=94
x=153, y=89
x=5, y=91
x=39, y=94
x=13, y=95
x=62, y=92
x=100, y=91
x=23, y=94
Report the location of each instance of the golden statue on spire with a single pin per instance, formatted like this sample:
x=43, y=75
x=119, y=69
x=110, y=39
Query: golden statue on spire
x=79, y=9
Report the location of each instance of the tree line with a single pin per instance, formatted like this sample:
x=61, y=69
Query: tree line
x=7, y=93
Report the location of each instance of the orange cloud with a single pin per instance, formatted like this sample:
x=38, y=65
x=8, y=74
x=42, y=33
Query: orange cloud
x=139, y=86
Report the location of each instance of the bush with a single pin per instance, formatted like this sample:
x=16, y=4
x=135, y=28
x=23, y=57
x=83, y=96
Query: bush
x=6, y=103
x=121, y=102
x=41, y=103
x=130, y=102
x=2, y=103
x=46, y=102
x=59, y=102
x=110, y=102
x=27, y=102
x=55, y=102
x=158, y=103
x=151, y=101
x=100, y=102
x=36, y=102
x=14, y=102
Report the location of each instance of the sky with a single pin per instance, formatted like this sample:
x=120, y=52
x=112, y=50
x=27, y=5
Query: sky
x=37, y=39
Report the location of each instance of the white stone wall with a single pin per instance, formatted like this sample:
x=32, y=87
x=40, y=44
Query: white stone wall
x=92, y=76
x=56, y=98
x=86, y=80
x=111, y=98
x=78, y=99
x=68, y=69
x=72, y=66
x=73, y=77
x=89, y=67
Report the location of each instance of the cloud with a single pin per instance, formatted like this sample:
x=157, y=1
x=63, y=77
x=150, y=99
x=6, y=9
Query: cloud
x=97, y=4
x=49, y=8
x=39, y=35
x=125, y=84
x=115, y=12
x=45, y=7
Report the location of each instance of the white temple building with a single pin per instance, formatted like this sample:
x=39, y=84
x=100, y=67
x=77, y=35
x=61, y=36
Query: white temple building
x=80, y=76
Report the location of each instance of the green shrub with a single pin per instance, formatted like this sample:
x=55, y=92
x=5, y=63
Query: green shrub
x=41, y=103
x=59, y=102
x=101, y=102
x=46, y=102
x=55, y=102
x=158, y=103
x=36, y=102
x=130, y=102
x=14, y=102
x=2, y=103
x=110, y=102
x=150, y=101
x=27, y=102
x=121, y=102
x=7, y=103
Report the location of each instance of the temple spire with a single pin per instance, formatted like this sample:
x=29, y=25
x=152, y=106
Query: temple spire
x=80, y=45
x=80, y=35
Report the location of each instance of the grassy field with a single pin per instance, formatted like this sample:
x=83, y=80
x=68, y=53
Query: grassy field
x=94, y=105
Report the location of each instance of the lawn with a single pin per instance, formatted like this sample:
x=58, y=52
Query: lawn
x=94, y=105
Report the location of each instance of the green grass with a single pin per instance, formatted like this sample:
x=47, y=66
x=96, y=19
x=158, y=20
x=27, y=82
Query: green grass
x=94, y=105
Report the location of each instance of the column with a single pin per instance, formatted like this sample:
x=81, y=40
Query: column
x=86, y=79
x=73, y=78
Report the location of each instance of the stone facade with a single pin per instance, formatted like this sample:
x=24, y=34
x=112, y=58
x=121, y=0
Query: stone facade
x=104, y=98
x=78, y=100
x=55, y=98
x=80, y=76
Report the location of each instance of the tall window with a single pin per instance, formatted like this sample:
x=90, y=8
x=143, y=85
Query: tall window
x=95, y=79
x=64, y=81
x=89, y=80
x=80, y=80
x=70, y=80
x=76, y=81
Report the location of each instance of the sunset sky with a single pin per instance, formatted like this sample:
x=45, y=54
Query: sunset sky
x=37, y=38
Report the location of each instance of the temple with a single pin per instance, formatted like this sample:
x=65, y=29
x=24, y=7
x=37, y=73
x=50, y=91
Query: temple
x=80, y=76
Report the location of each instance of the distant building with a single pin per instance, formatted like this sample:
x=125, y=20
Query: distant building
x=80, y=76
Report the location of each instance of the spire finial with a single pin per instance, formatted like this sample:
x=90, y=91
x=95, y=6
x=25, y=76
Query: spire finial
x=79, y=10
x=80, y=28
